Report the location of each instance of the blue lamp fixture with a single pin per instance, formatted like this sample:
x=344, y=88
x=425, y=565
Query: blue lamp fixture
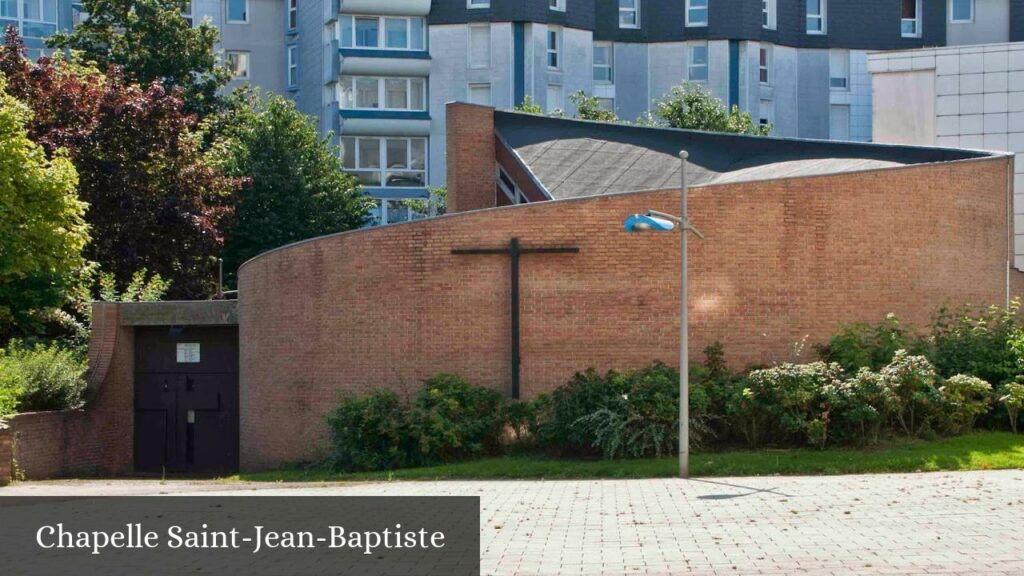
x=647, y=222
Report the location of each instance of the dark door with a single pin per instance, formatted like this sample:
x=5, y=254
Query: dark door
x=186, y=400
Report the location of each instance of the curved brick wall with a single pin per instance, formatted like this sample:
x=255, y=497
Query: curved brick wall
x=785, y=261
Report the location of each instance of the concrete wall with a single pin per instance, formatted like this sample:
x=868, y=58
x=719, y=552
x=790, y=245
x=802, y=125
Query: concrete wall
x=263, y=37
x=785, y=261
x=991, y=24
x=904, y=107
x=978, y=102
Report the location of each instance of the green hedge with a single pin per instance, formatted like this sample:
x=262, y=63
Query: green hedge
x=40, y=377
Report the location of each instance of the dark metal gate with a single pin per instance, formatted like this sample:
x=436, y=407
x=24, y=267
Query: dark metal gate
x=186, y=400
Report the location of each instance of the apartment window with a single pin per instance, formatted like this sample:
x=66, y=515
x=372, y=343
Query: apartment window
x=238, y=63
x=186, y=13
x=394, y=211
x=839, y=122
x=696, y=12
x=554, y=100
x=961, y=11
x=765, y=65
x=815, y=16
x=765, y=113
x=478, y=3
x=839, y=69
x=386, y=162
x=480, y=46
x=238, y=11
x=293, y=66
x=554, y=47
x=910, y=22
x=768, y=14
x=378, y=93
x=607, y=104
x=604, y=57
x=558, y=5
x=293, y=14
x=391, y=32
x=508, y=187
x=697, y=67
x=629, y=13
x=480, y=94
x=38, y=18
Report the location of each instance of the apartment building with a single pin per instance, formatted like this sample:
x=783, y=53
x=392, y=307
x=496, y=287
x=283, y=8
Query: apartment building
x=378, y=72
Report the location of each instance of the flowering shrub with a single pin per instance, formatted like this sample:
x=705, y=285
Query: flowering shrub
x=911, y=380
x=790, y=401
x=967, y=398
x=1011, y=396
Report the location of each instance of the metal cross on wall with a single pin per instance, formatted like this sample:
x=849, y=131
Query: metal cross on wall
x=515, y=251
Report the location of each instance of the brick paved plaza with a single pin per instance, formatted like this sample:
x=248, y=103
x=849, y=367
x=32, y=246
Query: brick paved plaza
x=942, y=523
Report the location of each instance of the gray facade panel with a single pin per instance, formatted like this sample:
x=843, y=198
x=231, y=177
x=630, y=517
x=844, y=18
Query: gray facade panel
x=813, y=94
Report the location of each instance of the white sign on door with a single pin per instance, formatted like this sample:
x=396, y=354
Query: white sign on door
x=188, y=352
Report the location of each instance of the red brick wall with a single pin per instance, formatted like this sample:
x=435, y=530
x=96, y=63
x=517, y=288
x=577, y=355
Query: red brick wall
x=6, y=455
x=784, y=263
x=98, y=438
x=470, y=149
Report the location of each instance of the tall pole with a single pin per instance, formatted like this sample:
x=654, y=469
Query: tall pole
x=684, y=319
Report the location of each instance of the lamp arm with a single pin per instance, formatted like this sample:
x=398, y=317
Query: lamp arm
x=683, y=224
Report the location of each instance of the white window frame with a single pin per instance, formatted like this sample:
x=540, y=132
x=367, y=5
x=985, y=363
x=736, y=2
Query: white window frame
x=292, y=66
x=515, y=195
x=764, y=69
x=609, y=66
x=22, y=19
x=556, y=51
x=382, y=98
x=557, y=5
x=292, y=13
x=706, y=9
x=470, y=46
x=821, y=16
x=831, y=72
x=634, y=11
x=917, y=21
x=383, y=169
x=382, y=33
x=477, y=4
x=244, y=55
x=768, y=14
x=954, y=20
x=227, y=16
x=690, y=65
x=478, y=86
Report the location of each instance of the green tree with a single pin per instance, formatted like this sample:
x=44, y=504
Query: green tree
x=691, y=107
x=42, y=224
x=589, y=108
x=151, y=41
x=529, y=106
x=295, y=187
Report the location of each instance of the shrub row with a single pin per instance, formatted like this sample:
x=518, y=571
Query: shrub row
x=871, y=382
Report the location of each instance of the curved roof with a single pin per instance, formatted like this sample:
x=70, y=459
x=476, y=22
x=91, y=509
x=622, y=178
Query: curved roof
x=573, y=158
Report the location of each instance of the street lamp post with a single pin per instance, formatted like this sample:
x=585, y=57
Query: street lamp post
x=662, y=222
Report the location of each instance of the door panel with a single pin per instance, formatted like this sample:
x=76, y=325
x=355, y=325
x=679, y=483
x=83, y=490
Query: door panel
x=186, y=400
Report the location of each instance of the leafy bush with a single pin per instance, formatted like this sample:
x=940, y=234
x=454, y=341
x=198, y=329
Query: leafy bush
x=789, y=401
x=369, y=432
x=451, y=420
x=40, y=378
x=446, y=420
x=1011, y=397
x=911, y=380
x=864, y=405
x=588, y=392
x=967, y=398
x=978, y=344
x=862, y=345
